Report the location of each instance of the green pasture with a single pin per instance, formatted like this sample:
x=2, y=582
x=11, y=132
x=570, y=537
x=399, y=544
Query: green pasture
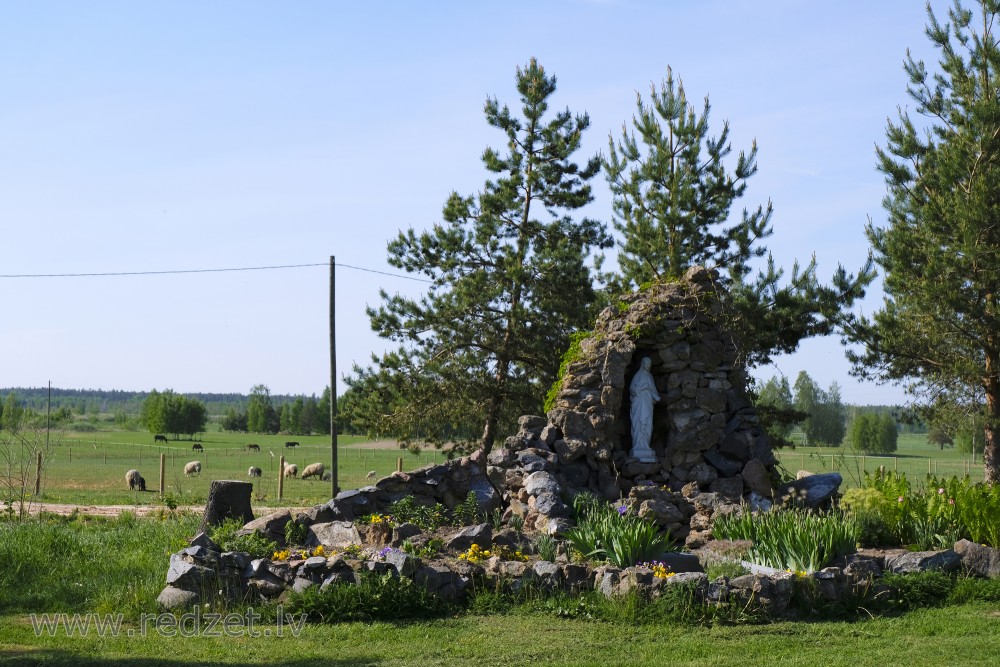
x=914, y=457
x=90, y=467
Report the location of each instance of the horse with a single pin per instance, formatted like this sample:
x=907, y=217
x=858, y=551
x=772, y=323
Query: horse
x=197, y=447
x=159, y=438
x=253, y=448
x=291, y=444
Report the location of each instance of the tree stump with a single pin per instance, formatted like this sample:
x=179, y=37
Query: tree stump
x=227, y=498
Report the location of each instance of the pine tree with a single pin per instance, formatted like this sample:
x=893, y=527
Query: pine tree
x=509, y=282
x=939, y=328
x=673, y=201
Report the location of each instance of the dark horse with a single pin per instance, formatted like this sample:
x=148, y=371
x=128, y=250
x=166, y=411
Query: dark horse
x=291, y=444
x=159, y=438
x=253, y=448
x=197, y=447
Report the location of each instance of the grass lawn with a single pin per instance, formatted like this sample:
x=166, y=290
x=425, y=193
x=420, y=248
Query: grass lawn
x=956, y=635
x=89, y=468
x=914, y=457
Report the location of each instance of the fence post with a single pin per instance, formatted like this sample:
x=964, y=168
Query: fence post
x=281, y=476
x=163, y=467
x=399, y=464
x=38, y=473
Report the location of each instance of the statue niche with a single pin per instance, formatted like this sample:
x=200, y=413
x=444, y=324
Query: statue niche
x=643, y=396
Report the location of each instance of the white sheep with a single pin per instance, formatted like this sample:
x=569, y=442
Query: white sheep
x=135, y=480
x=313, y=470
x=291, y=470
x=192, y=468
x=254, y=471
x=370, y=475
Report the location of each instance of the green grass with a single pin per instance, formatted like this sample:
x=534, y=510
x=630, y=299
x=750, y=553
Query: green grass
x=957, y=635
x=89, y=468
x=915, y=458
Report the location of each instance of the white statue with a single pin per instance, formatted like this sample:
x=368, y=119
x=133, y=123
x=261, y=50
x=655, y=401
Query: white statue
x=643, y=392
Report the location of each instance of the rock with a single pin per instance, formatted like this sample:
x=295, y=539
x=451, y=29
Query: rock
x=541, y=482
x=404, y=564
x=300, y=584
x=486, y=496
x=466, y=537
x=203, y=540
x=726, y=466
x=442, y=582
x=272, y=526
x=171, y=598
x=728, y=487
x=661, y=512
x=908, y=562
x=569, y=450
x=812, y=491
x=403, y=532
x=681, y=562
x=606, y=580
x=186, y=575
x=981, y=560
x=532, y=423
x=862, y=568
x=333, y=534
x=549, y=575
x=550, y=505
x=757, y=478
x=758, y=503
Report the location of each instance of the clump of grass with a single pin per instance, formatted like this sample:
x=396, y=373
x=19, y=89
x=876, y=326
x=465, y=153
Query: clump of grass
x=791, y=538
x=373, y=598
x=614, y=534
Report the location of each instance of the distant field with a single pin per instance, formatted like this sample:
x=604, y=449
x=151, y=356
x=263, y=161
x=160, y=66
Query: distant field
x=915, y=457
x=89, y=468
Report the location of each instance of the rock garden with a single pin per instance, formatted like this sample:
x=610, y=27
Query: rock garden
x=660, y=488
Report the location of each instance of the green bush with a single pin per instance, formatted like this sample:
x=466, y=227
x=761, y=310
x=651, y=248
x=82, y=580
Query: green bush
x=374, y=597
x=254, y=544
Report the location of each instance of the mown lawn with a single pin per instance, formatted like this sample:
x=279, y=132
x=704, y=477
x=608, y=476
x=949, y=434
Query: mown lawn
x=957, y=635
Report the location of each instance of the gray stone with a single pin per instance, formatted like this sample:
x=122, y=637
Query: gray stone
x=550, y=505
x=186, y=575
x=237, y=560
x=404, y=564
x=728, y=487
x=442, y=582
x=550, y=434
x=172, y=597
x=203, y=540
x=466, y=537
x=569, y=450
x=813, y=491
x=703, y=474
x=532, y=460
x=908, y=562
x=681, y=562
x=314, y=563
x=532, y=423
x=726, y=466
x=549, y=575
x=486, y=496
x=757, y=478
x=272, y=526
x=333, y=535
x=979, y=559
x=300, y=584
x=541, y=482
x=200, y=553
x=607, y=580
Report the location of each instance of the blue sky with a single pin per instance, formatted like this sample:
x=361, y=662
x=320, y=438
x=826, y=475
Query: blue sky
x=142, y=136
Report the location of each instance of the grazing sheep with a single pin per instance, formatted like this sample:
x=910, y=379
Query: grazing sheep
x=328, y=476
x=135, y=480
x=291, y=470
x=313, y=470
x=370, y=475
x=192, y=468
x=196, y=447
x=254, y=471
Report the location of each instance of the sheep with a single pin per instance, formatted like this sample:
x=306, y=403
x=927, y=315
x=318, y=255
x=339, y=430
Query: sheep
x=135, y=480
x=370, y=475
x=192, y=468
x=291, y=470
x=328, y=476
x=254, y=471
x=313, y=470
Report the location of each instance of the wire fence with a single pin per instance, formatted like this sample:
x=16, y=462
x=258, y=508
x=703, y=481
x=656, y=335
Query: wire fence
x=854, y=466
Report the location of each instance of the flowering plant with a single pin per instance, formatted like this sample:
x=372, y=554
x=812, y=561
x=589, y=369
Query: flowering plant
x=660, y=569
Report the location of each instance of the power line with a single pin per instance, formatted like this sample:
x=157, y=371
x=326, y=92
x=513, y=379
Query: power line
x=178, y=271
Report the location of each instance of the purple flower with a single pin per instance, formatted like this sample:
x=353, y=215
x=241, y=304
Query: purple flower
x=622, y=510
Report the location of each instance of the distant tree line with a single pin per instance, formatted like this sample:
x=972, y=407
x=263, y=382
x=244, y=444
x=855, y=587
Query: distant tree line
x=167, y=412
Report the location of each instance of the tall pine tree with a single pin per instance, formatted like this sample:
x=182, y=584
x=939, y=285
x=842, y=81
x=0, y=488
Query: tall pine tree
x=674, y=195
x=939, y=328
x=509, y=282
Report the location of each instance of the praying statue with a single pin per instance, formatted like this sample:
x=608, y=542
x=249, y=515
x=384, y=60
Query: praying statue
x=643, y=393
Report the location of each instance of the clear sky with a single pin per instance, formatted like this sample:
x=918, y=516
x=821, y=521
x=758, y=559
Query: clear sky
x=156, y=136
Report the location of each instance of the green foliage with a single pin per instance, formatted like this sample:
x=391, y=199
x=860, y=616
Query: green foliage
x=572, y=353
x=467, y=512
x=510, y=281
x=547, y=547
x=427, y=551
x=373, y=598
x=167, y=412
x=254, y=544
x=261, y=415
x=791, y=538
x=295, y=533
x=933, y=517
x=918, y=590
x=939, y=327
x=606, y=533
x=825, y=414
x=873, y=433
x=427, y=517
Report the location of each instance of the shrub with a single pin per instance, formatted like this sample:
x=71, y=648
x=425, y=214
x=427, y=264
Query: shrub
x=373, y=598
x=254, y=544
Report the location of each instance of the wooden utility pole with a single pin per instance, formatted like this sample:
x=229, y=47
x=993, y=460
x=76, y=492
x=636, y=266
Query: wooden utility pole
x=333, y=377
